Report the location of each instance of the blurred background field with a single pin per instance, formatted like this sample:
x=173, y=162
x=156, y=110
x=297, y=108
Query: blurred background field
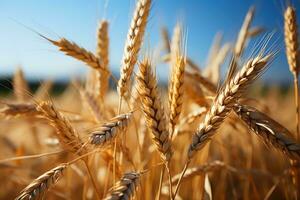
x=36, y=76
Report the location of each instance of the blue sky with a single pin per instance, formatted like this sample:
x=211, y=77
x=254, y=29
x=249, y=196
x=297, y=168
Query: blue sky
x=77, y=21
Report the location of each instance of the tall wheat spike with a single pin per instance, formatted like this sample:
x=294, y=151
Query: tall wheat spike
x=153, y=110
x=176, y=91
x=176, y=43
x=133, y=44
x=223, y=103
x=291, y=43
x=166, y=39
x=242, y=37
x=102, y=53
x=225, y=100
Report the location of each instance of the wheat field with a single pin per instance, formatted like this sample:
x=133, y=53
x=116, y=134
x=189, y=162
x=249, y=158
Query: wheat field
x=204, y=136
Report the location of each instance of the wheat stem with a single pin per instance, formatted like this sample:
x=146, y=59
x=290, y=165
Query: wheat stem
x=180, y=178
x=296, y=94
x=161, y=177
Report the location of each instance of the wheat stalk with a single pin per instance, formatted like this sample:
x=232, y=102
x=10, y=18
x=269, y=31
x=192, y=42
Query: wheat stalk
x=270, y=131
x=109, y=130
x=37, y=188
x=153, y=110
x=133, y=44
x=194, y=171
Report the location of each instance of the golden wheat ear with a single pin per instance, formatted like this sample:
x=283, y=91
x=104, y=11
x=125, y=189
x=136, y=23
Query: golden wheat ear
x=176, y=92
x=291, y=39
x=291, y=44
x=153, y=110
x=102, y=52
x=133, y=44
x=39, y=187
x=271, y=132
x=109, y=130
x=224, y=101
x=67, y=135
x=125, y=188
x=74, y=50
